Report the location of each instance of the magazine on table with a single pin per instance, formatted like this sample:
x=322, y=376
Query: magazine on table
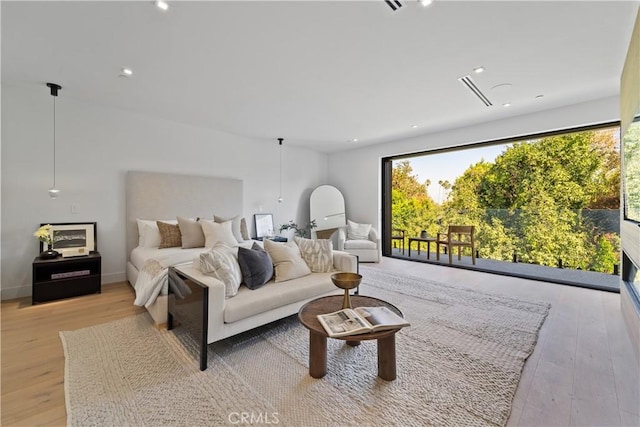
x=360, y=320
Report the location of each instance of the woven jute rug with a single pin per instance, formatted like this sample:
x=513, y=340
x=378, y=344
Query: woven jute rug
x=458, y=363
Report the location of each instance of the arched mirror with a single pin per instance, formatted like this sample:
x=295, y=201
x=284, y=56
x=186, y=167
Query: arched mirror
x=326, y=207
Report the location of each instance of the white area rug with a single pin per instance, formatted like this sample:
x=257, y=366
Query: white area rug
x=458, y=364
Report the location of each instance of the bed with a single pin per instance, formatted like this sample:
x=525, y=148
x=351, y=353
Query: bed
x=164, y=196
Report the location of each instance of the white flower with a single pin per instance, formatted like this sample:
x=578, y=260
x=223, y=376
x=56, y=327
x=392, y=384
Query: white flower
x=44, y=234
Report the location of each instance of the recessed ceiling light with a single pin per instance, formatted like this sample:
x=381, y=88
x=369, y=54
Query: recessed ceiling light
x=414, y=126
x=354, y=140
x=539, y=96
x=506, y=104
x=126, y=72
x=162, y=5
x=478, y=70
x=425, y=2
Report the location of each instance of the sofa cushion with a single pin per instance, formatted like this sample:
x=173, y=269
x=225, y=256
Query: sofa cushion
x=318, y=254
x=274, y=295
x=357, y=231
x=256, y=266
x=360, y=244
x=287, y=260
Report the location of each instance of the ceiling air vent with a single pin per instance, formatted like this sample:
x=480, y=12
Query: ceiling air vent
x=393, y=4
x=468, y=82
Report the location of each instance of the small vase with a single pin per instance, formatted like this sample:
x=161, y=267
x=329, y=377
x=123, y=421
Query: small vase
x=49, y=254
x=423, y=234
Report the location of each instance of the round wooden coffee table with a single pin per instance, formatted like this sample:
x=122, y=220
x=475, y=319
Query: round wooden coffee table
x=308, y=316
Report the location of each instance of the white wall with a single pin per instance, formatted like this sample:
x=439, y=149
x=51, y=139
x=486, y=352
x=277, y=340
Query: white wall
x=357, y=173
x=96, y=146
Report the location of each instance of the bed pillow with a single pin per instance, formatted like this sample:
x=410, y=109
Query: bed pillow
x=318, y=254
x=235, y=226
x=287, y=260
x=170, y=236
x=191, y=231
x=221, y=262
x=148, y=233
x=214, y=233
x=357, y=231
x=256, y=266
x=243, y=229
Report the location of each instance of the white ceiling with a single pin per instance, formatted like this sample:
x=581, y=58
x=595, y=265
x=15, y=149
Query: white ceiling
x=320, y=73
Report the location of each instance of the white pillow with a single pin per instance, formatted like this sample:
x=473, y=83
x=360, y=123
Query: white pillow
x=357, y=231
x=214, y=233
x=287, y=260
x=148, y=232
x=235, y=225
x=221, y=262
x=318, y=254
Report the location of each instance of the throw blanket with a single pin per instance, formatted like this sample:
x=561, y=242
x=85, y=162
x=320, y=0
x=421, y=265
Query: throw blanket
x=153, y=276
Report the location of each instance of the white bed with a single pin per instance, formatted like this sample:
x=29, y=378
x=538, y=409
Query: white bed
x=154, y=196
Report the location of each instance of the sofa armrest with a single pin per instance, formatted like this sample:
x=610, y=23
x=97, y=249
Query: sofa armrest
x=373, y=235
x=343, y=261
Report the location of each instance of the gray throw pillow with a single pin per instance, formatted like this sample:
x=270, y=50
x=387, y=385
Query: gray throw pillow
x=256, y=266
x=192, y=234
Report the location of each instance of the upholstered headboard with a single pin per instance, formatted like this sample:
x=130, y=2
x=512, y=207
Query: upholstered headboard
x=151, y=195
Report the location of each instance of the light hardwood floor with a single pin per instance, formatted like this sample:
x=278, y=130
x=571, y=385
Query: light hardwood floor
x=583, y=370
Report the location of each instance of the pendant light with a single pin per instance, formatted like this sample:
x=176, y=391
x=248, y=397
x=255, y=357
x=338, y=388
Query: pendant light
x=53, y=191
x=280, y=144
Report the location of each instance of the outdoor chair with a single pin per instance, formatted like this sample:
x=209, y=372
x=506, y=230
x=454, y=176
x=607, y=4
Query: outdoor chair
x=460, y=236
x=398, y=236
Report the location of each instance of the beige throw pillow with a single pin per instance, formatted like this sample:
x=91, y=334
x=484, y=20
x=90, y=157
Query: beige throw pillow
x=170, y=236
x=235, y=226
x=318, y=254
x=214, y=233
x=191, y=231
x=287, y=260
x=221, y=262
x=357, y=231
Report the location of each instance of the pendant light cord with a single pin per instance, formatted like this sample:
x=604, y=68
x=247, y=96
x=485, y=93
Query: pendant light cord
x=280, y=143
x=54, y=142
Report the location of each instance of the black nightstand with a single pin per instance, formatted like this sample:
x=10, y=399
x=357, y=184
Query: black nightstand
x=66, y=277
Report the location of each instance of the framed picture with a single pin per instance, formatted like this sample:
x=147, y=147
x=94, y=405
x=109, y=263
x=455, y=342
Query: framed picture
x=73, y=238
x=264, y=225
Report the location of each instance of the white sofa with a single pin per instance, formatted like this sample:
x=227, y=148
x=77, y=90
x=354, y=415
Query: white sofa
x=249, y=308
x=369, y=250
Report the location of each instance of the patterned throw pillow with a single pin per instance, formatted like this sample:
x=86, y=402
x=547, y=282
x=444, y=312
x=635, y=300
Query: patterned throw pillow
x=221, y=262
x=170, y=236
x=256, y=266
x=357, y=231
x=287, y=260
x=318, y=254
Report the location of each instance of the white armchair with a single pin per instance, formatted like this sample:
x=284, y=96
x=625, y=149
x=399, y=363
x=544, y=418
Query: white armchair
x=369, y=250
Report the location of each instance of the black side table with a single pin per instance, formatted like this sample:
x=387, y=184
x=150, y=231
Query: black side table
x=66, y=277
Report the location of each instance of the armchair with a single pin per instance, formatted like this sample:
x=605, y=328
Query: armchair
x=369, y=250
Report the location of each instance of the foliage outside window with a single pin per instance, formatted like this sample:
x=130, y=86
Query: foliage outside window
x=631, y=144
x=545, y=200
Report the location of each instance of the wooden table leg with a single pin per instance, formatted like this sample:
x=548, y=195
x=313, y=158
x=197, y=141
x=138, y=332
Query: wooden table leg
x=317, y=355
x=387, y=357
x=428, y=249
